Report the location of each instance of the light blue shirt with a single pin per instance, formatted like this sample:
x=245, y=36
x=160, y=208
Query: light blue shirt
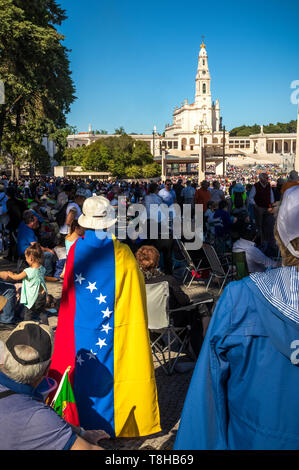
x=168, y=197
x=3, y=201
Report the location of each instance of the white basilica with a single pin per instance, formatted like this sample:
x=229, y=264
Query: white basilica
x=183, y=141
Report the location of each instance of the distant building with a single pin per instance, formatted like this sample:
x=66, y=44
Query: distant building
x=182, y=140
x=202, y=112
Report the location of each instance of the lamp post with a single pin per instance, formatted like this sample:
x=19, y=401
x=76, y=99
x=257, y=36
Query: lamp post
x=201, y=129
x=154, y=136
x=164, y=164
x=223, y=157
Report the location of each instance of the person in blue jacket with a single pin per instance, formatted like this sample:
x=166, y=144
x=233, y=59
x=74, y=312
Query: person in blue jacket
x=244, y=390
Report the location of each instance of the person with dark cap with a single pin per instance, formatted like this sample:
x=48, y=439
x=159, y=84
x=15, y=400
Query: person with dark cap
x=26, y=422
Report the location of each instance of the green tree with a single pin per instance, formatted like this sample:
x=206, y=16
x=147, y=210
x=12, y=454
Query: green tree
x=120, y=131
x=101, y=132
x=134, y=172
x=74, y=156
x=141, y=153
x=34, y=67
x=39, y=158
x=151, y=170
x=59, y=137
x=279, y=127
x=121, y=156
x=97, y=157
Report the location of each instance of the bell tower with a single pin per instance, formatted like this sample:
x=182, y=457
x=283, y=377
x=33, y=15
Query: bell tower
x=203, y=79
x=203, y=98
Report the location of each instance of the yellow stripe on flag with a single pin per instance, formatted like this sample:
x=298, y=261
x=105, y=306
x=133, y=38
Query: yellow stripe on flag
x=135, y=393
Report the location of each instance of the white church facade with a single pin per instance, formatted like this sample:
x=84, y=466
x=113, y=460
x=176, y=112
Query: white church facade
x=199, y=124
x=202, y=112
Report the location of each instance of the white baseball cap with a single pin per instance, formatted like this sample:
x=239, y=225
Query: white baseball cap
x=288, y=219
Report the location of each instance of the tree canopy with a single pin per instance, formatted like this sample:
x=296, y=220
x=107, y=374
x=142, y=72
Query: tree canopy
x=35, y=70
x=279, y=127
x=122, y=156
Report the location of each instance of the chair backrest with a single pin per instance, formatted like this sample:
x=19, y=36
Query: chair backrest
x=157, y=296
x=185, y=254
x=239, y=260
x=213, y=259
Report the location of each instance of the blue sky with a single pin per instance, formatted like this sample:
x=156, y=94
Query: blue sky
x=133, y=61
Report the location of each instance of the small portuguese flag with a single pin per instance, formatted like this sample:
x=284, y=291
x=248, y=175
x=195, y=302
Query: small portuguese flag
x=64, y=402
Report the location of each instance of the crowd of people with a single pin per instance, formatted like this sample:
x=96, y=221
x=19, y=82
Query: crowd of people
x=50, y=228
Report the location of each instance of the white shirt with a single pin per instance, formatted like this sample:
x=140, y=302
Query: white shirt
x=64, y=230
x=257, y=262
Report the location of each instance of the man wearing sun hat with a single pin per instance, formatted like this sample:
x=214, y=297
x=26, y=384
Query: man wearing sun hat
x=102, y=331
x=26, y=422
x=244, y=390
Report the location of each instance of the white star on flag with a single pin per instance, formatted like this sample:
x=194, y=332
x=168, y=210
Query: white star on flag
x=107, y=313
x=80, y=360
x=91, y=355
x=101, y=343
x=79, y=278
x=101, y=299
x=92, y=287
x=106, y=328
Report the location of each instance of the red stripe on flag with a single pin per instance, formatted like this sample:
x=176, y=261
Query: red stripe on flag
x=64, y=348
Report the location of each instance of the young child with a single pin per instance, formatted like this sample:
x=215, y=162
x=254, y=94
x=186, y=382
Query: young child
x=34, y=290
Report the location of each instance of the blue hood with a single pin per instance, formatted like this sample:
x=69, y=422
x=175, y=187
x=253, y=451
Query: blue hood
x=281, y=329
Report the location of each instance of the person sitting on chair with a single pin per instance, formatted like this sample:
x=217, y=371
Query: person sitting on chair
x=244, y=390
x=257, y=262
x=148, y=258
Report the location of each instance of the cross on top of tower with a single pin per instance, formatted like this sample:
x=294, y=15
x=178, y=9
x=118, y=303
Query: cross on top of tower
x=203, y=44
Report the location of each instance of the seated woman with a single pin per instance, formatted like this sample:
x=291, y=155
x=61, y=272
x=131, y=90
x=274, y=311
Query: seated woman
x=75, y=232
x=148, y=258
x=244, y=390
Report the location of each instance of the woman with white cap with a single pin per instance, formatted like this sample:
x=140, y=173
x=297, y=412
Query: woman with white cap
x=102, y=331
x=244, y=390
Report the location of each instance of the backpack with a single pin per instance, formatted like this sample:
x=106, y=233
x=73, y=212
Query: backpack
x=60, y=216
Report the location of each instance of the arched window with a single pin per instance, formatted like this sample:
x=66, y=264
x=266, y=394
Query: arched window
x=204, y=88
x=203, y=62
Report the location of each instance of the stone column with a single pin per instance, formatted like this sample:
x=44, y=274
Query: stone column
x=201, y=174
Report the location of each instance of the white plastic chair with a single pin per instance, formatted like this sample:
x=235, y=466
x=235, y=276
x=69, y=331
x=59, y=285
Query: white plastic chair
x=160, y=323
